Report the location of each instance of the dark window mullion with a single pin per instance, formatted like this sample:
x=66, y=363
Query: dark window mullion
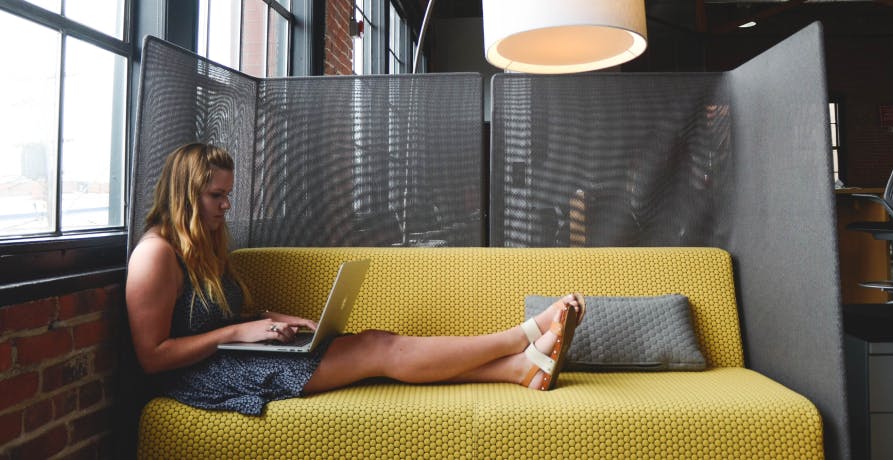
x=208, y=31
x=60, y=140
x=241, y=65
x=67, y=26
x=289, y=33
x=279, y=8
x=267, y=40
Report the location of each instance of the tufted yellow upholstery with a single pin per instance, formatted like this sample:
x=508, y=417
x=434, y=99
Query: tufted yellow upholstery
x=724, y=412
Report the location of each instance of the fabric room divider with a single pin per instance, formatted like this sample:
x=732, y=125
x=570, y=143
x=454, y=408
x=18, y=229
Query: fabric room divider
x=739, y=160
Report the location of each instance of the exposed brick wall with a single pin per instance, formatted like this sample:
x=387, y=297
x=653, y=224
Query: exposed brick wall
x=57, y=375
x=339, y=43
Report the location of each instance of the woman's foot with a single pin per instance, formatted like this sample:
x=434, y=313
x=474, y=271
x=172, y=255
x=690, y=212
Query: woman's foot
x=544, y=320
x=542, y=360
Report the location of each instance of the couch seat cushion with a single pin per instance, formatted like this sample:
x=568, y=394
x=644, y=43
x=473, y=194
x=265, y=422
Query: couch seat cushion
x=719, y=413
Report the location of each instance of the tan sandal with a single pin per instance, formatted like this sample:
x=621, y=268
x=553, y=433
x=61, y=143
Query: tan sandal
x=551, y=364
x=532, y=329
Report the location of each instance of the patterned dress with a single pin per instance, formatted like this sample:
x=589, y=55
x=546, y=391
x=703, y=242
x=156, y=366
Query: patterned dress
x=242, y=381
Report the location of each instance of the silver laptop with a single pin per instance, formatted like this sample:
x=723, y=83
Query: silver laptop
x=334, y=314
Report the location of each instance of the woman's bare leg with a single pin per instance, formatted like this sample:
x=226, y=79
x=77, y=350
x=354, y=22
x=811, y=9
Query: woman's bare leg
x=408, y=359
x=512, y=368
x=429, y=359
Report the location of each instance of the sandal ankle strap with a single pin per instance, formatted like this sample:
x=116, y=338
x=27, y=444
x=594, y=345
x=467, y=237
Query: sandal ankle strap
x=531, y=330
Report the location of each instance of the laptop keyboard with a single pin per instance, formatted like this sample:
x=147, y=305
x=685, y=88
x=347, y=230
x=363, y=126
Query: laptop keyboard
x=301, y=339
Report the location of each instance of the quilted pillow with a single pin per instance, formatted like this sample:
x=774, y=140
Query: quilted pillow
x=631, y=334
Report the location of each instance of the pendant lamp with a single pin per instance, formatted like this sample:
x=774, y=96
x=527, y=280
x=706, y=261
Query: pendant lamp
x=563, y=36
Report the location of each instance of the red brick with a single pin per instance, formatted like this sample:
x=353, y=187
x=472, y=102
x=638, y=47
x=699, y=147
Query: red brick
x=90, y=394
x=65, y=403
x=38, y=414
x=51, y=344
x=44, y=446
x=31, y=315
x=65, y=373
x=10, y=426
x=91, y=425
x=91, y=333
x=82, y=303
x=17, y=389
x=5, y=356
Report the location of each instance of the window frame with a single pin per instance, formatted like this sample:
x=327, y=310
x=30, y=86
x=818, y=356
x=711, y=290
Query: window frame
x=838, y=147
x=378, y=54
x=51, y=263
x=304, y=48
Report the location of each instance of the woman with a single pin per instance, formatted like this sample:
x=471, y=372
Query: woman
x=183, y=299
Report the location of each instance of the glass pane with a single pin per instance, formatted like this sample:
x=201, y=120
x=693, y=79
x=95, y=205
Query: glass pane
x=106, y=16
x=285, y=3
x=202, y=32
x=29, y=89
x=358, y=39
x=254, y=38
x=223, y=32
x=93, y=137
x=53, y=5
x=277, y=53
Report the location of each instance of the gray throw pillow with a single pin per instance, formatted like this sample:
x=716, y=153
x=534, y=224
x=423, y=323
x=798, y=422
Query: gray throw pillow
x=631, y=334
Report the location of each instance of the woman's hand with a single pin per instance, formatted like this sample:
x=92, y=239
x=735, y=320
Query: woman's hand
x=275, y=326
x=294, y=322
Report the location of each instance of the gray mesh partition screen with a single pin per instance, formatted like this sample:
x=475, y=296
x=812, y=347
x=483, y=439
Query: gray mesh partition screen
x=608, y=159
x=185, y=99
x=388, y=160
x=738, y=160
x=369, y=161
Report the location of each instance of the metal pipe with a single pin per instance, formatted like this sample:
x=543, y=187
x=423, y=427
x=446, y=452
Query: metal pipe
x=418, y=50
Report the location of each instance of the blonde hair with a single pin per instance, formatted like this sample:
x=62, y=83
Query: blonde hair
x=175, y=213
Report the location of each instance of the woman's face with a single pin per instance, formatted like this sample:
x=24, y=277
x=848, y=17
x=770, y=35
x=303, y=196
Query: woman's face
x=215, y=198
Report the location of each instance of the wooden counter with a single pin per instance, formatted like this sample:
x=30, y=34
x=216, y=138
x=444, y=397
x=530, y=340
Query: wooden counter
x=862, y=258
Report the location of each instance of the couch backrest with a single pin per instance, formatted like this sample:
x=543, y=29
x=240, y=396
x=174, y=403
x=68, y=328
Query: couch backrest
x=462, y=291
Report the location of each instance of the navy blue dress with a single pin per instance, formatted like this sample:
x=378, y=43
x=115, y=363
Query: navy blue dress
x=241, y=381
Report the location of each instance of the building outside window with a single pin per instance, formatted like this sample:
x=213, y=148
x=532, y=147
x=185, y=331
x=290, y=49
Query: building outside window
x=63, y=127
x=248, y=35
x=399, y=43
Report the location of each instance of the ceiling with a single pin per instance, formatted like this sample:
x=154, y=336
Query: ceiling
x=724, y=16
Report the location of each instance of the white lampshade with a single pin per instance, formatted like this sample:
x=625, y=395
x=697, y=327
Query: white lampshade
x=563, y=36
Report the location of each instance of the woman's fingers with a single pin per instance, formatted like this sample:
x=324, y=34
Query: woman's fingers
x=280, y=331
x=301, y=322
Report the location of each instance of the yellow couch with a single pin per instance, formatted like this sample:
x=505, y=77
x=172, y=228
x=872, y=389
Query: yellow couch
x=724, y=412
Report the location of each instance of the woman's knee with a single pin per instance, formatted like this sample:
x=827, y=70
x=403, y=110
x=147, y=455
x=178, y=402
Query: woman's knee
x=376, y=344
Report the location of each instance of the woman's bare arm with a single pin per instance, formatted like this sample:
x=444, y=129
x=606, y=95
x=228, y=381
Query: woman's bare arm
x=154, y=280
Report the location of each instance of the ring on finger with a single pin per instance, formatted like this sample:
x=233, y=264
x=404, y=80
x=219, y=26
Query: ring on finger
x=273, y=328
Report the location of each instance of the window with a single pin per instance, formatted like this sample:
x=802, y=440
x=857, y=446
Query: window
x=372, y=19
x=399, y=44
x=248, y=35
x=63, y=126
x=360, y=24
x=834, y=117
x=65, y=97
